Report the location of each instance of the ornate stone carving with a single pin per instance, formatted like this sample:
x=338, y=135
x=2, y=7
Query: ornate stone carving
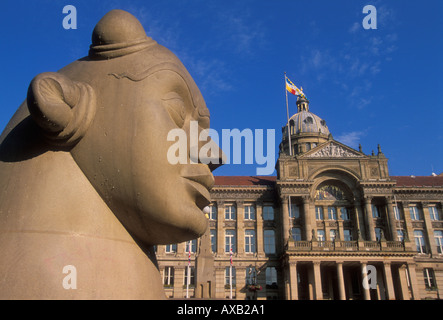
x=333, y=150
x=374, y=172
x=292, y=170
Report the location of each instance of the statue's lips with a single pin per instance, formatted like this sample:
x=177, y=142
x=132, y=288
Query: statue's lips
x=201, y=180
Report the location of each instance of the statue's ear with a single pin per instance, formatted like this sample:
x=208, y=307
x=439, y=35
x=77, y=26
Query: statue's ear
x=63, y=108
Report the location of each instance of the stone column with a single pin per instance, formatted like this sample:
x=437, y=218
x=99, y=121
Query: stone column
x=317, y=281
x=413, y=281
x=285, y=219
x=326, y=223
x=220, y=229
x=360, y=220
x=388, y=281
x=391, y=219
x=340, y=228
x=311, y=284
x=370, y=235
x=293, y=282
x=259, y=218
x=240, y=209
x=341, y=282
x=404, y=282
x=307, y=218
x=366, y=292
x=429, y=230
x=408, y=223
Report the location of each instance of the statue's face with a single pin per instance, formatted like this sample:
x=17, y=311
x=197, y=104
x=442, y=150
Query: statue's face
x=158, y=202
x=172, y=194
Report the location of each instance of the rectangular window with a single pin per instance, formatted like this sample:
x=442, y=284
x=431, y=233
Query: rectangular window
x=378, y=232
x=413, y=211
x=438, y=235
x=420, y=241
x=268, y=213
x=230, y=212
x=319, y=213
x=433, y=212
x=296, y=234
x=191, y=245
x=189, y=276
x=271, y=278
x=332, y=213
x=429, y=278
x=214, y=240
x=250, y=241
x=332, y=234
x=213, y=212
x=321, y=235
x=269, y=241
x=168, y=277
x=249, y=212
x=400, y=235
x=347, y=235
x=230, y=241
x=294, y=212
x=345, y=213
x=230, y=276
x=171, y=248
x=375, y=211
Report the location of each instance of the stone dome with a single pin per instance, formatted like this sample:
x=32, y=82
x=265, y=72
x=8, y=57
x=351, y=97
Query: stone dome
x=307, y=122
x=307, y=130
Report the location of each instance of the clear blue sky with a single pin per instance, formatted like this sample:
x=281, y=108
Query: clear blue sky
x=372, y=87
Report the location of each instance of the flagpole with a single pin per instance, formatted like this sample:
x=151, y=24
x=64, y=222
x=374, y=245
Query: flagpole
x=287, y=113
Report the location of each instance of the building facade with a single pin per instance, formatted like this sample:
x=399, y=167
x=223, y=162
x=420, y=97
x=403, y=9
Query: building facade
x=333, y=224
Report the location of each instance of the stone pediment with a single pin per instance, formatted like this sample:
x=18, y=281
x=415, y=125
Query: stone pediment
x=333, y=149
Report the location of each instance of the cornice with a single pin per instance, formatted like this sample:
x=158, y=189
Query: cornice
x=293, y=183
x=403, y=190
x=334, y=254
x=379, y=183
x=242, y=188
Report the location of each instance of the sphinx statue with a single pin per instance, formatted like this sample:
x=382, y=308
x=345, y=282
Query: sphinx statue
x=84, y=178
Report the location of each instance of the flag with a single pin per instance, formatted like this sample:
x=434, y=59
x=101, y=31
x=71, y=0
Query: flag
x=293, y=89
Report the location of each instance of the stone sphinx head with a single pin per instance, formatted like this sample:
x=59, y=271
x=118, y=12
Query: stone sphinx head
x=105, y=117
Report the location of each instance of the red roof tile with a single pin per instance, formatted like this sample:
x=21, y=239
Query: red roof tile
x=419, y=181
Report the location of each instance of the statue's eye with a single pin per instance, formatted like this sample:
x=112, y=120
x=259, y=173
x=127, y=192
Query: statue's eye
x=175, y=106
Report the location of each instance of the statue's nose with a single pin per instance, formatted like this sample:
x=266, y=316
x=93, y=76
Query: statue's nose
x=215, y=158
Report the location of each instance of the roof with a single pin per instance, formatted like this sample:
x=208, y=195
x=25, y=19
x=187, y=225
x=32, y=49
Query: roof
x=402, y=181
x=245, y=180
x=418, y=181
